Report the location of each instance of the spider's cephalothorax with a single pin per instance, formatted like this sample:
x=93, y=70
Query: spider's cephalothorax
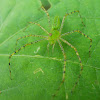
x=54, y=36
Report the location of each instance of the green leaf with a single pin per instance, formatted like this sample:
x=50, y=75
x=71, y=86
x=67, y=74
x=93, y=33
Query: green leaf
x=36, y=72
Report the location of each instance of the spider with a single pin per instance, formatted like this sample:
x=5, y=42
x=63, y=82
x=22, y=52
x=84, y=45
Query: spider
x=53, y=37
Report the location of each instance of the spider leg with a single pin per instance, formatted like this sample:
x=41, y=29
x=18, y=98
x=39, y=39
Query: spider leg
x=47, y=14
x=48, y=48
x=70, y=14
x=82, y=34
x=79, y=61
x=28, y=36
x=53, y=47
x=64, y=69
x=19, y=50
x=37, y=25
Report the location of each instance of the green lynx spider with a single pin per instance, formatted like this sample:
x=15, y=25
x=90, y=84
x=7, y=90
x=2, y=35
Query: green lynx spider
x=54, y=36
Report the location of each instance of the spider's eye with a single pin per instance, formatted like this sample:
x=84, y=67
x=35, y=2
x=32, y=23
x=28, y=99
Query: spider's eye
x=50, y=34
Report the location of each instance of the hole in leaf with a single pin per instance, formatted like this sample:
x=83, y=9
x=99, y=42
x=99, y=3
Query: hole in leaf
x=46, y=4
